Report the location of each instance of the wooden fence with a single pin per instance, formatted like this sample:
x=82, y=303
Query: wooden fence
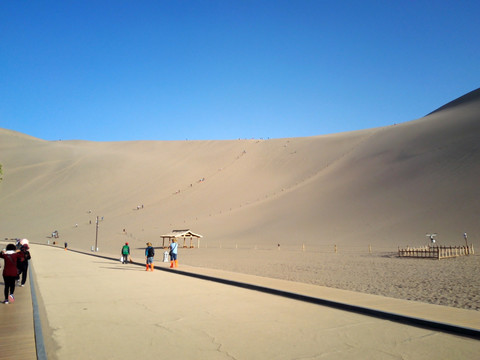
x=436, y=252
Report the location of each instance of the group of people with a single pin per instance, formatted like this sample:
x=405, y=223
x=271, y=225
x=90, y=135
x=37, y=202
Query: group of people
x=150, y=254
x=16, y=259
x=15, y=268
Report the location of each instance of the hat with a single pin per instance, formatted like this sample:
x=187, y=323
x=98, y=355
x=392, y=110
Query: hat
x=149, y=244
x=126, y=243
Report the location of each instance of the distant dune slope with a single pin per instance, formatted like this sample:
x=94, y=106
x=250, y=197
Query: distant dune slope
x=386, y=186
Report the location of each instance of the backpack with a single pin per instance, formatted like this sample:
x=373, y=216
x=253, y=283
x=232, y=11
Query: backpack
x=150, y=252
x=125, y=250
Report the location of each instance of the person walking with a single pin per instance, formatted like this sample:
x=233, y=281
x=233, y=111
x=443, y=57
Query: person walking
x=23, y=265
x=125, y=253
x=10, y=272
x=149, y=254
x=173, y=253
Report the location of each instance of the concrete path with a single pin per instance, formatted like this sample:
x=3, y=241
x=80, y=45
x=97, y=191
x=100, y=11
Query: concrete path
x=98, y=308
x=449, y=319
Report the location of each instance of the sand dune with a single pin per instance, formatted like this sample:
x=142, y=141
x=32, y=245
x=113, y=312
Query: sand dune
x=385, y=187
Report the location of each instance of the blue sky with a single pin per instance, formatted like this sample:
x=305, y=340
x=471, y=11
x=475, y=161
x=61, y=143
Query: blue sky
x=175, y=70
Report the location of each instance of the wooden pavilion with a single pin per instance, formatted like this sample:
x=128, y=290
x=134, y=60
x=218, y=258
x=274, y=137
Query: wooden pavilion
x=185, y=234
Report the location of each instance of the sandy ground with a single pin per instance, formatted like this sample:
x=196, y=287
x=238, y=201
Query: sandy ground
x=101, y=309
x=451, y=282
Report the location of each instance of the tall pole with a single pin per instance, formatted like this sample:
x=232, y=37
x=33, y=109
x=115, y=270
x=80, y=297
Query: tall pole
x=96, y=234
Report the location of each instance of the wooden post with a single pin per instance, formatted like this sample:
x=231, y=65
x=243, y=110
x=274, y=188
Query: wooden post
x=335, y=248
x=369, y=249
x=303, y=247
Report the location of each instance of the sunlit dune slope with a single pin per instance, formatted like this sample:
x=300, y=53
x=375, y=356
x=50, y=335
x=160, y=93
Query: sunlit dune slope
x=386, y=186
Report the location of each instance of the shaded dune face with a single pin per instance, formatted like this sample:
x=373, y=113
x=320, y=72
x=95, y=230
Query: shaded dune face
x=386, y=186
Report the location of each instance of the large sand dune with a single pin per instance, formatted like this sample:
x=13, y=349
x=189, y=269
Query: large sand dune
x=385, y=187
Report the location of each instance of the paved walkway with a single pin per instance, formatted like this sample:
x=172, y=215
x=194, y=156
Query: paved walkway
x=443, y=318
x=17, y=337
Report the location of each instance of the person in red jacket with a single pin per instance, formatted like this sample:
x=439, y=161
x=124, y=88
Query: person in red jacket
x=10, y=272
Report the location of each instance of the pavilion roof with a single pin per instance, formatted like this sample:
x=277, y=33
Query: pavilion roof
x=181, y=233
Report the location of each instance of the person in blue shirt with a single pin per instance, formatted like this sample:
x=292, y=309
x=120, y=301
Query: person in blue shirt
x=173, y=253
x=149, y=254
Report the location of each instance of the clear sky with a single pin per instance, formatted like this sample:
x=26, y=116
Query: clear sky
x=200, y=69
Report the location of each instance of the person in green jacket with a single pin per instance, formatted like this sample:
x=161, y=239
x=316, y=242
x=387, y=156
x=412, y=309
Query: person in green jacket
x=125, y=253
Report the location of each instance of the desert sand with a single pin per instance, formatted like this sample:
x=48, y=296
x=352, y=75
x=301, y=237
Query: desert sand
x=274, y=208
